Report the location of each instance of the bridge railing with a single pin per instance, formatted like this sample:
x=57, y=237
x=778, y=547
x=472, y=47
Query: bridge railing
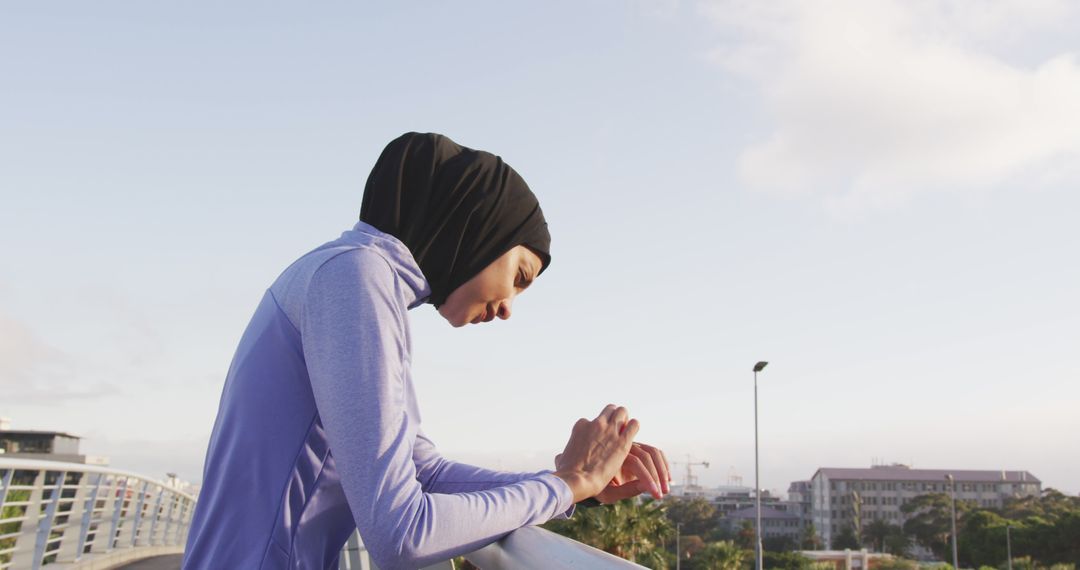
x=54, y=512
x=529, y=547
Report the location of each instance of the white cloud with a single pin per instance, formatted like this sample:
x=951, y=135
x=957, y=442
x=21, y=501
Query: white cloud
x=873, y=101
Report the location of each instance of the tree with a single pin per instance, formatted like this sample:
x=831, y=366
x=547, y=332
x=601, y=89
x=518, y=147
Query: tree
x=810, y=539
x=628, y=529
x=885, y=537
x=696, y=515
x=875, y=534
x=896, y=564
x=746, y=537
x=846, y=539
x=723, y=555
x=897, y=542
x=786, y=561
x=929, y=520
x=982, y=539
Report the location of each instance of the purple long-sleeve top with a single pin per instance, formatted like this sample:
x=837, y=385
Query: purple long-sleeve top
x=318, y=431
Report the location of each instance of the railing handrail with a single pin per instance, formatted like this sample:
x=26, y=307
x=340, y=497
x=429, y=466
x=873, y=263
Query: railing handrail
x=534, y=547
x=23, y=463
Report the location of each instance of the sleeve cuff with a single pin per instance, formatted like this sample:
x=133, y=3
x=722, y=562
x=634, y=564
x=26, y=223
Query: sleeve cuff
x=564, y=497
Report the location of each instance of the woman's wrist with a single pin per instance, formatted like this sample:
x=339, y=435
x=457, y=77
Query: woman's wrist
x=580, y=484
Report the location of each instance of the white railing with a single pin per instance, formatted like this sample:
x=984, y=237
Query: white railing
x=525, y=548
x=534, y=547
x=85, y=515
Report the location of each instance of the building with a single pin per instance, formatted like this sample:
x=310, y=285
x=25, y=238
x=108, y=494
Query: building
x=47, y=445
x=775, y=523
x=799, y=498
x=729, y=498
x=845, y=498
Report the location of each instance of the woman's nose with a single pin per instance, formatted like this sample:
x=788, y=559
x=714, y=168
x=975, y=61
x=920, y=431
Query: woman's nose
x=504, y=309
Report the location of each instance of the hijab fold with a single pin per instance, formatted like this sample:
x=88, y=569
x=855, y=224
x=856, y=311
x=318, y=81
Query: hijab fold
x=455, y=208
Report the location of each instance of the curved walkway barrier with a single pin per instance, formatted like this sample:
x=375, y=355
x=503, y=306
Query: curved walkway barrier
x=534, y=547
x=79, y=516
x=525, y=548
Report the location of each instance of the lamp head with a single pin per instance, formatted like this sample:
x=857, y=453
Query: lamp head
x=760, y=366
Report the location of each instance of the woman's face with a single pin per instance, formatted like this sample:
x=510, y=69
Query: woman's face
x=491, y=292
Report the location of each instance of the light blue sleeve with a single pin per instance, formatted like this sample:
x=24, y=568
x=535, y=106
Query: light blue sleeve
x=440, y=475
x=353, y=334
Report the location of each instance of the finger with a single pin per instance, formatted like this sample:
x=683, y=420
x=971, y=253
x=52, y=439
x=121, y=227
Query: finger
x=667, y=464
x=662, y=470
x=614, y=494
x=645, y=480
x=619, y=417
x=606, y=412
x=647, y=459
x=630, y=431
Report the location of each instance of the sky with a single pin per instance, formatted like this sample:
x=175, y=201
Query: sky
x=877, y=197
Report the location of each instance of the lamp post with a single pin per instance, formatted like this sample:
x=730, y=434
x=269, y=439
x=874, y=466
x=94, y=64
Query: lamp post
x=757, y=475
x=1008, y=543
x=952, y=488
x=678, y=549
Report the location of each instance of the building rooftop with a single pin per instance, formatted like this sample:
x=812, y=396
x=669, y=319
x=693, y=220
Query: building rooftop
x=905, y=473
x=17, y=432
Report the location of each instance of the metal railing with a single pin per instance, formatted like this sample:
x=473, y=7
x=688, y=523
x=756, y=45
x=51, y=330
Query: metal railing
x=528, y=547
x=85, y=515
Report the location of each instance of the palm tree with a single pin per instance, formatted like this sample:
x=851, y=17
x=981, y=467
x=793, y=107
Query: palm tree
x=629, y=529
x=723, y=555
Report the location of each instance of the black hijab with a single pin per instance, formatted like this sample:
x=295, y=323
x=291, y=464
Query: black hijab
x=455, y=208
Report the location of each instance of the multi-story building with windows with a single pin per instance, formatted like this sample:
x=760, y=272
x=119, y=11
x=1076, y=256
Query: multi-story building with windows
x=844, y=498
x=799, y=498
x=775, y=523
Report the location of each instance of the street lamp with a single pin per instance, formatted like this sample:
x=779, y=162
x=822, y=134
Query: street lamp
x=952, y=488
x=678, y=549
x=757, y=479
x=1008, y=543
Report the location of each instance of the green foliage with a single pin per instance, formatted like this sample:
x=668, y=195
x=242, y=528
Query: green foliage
x=696, y=515
x=779, y=544
x=846, y=539
x=929, y=520
x=723, y=555
x=1045, y=532
x=896, y=564
x=786, y=561
x=629, y=529
x=810, y=539
x=746, y=537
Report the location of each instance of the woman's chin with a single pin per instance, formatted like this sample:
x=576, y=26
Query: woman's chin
x=456, y=321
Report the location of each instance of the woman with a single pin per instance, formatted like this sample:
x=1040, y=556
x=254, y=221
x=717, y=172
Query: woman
x=318, y=431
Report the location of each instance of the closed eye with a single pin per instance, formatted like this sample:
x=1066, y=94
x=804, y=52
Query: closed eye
x=523, y=280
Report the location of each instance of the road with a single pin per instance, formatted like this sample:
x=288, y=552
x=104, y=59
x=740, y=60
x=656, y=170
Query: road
x=167, y=562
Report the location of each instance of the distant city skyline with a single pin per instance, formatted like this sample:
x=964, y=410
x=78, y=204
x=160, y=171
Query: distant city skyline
x=877, y=197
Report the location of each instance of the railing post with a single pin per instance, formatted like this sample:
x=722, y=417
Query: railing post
x=45, y=524
x=118, y=505
x=157, y=514
x=138, y=514
x=88, y=515
x=4, y=487
x=169, y=519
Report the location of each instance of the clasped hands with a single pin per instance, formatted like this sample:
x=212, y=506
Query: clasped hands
x=602, y=461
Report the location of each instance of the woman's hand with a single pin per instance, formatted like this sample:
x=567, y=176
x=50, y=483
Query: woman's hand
x=629, y=482
x=597, y=451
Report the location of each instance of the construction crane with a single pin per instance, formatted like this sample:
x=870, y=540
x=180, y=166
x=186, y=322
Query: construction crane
x=691, y=480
